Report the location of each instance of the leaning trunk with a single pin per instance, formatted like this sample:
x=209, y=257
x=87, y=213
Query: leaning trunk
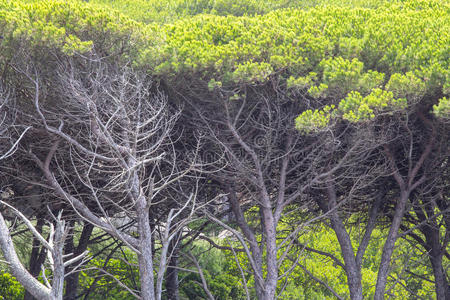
x=37, y=289
x=352, y=269
x=389, y=246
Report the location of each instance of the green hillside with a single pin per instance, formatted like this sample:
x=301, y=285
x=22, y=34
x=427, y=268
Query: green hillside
x=222, y=149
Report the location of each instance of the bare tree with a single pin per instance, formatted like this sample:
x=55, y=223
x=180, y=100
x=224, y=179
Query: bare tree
x=354, y=181
x=409, y=169
x=107, y=150
x=258, y=159
x=10, y=133
x=54, y=246
x=427, y=222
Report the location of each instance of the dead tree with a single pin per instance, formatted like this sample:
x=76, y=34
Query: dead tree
x=10, y=133
x=109, y=152
x=54, y=246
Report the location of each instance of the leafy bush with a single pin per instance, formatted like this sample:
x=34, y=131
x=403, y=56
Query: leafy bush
x=10, y=288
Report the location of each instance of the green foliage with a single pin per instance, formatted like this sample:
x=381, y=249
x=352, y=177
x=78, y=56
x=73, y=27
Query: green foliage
x=36, y=24
x=313, y=121
x=300, y=285
x=303, y=39
x=223, y=286
x=349, y=48
x=318, y=91
x=67, y=26
x=369, y=81
x=362, y=58
x=294, y=291
x=442, y=109
x=168, y=11
x=10, y=288
x=107, y=287
x=302, y=81
x=224, y=279
x=355, y=107
x=406, y=86
x=217, y=269
x=148, y=11
x=252, y=72
x=341, y=75
x=324, y=239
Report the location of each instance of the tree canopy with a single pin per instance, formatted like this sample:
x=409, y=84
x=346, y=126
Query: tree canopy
x=281, y=137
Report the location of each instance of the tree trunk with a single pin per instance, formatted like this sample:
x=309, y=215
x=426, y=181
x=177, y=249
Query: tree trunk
x=271, y=256
x=432, y=236
x=145, y=255
x=72, y=280
x=57, y=290
x=441, y=285
x=37, y=257
x=171, y=283
x=30, y=283
x=352, y=269
x=389, y=246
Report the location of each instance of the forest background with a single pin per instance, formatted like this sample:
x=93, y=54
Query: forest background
x=221, y=149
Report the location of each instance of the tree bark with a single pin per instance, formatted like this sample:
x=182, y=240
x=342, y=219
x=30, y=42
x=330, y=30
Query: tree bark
x=271, y=255
x=72, y=280
x=145, y=256
x=442, y=286
x=389, y=245
x=352, y=269
x=172, y=286
x=435, y=253
x=57, y=290
x=425, y=213
x=37, y=257
x=37, y=289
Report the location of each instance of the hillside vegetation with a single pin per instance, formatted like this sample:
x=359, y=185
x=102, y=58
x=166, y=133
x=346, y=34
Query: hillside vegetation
x=222, y=149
